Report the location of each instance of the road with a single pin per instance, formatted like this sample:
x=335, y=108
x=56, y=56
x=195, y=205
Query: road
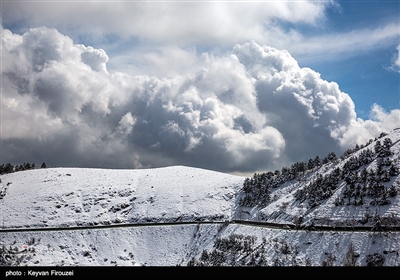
x=268, y=225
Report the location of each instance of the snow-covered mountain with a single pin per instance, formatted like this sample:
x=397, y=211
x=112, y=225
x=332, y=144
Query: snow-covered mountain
x=344, y=191
x=188, y=216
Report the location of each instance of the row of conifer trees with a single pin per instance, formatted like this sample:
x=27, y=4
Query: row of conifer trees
x=10, y=168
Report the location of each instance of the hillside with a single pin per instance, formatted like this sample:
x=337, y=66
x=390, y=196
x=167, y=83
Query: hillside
x=359, y=188
x=193, y=217
x=63, y=197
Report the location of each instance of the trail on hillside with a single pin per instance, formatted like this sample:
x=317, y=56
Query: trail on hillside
x=268, y=225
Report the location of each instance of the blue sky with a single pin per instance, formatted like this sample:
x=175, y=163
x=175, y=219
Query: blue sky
x=366, y=76
x=234, y=86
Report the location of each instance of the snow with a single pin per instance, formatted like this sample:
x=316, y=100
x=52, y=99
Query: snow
x=77, y=197
x=62, y=204
x=160, y=246
x=62, y=197
x=285, y=207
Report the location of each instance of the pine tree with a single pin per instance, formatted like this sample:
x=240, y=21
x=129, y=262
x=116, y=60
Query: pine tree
x=26, y=166
x=350, y=259
x=43, y=165
x=331, y=156
x=310, y=164
x=317, y=161
x=392, y=192
x=393, y=170
x=387, y=143
x=9, y=168
x=378, y=147
x=375, y=259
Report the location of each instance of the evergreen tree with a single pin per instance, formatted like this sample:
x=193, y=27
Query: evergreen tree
x=26, y=166
x=392, y=192
x=43, y=165
x=387, y=143
x=378, y=147
x=310, y=164
x=383, y=150
x=317, y=161
x=383, y=134
x=375, y=259
x=9, y=168
x=350, y=259
x=331, y=156
x=393, y=170
x=385, y=176
x=364, y=175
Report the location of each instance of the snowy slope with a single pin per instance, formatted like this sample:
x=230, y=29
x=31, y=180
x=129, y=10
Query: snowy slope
x=78, y=198
x=61, y=197
x=285, y=208
x=63, y=203
x=180, y=244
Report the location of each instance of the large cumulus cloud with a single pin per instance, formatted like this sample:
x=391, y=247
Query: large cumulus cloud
x=252, y=110
x=301, y=105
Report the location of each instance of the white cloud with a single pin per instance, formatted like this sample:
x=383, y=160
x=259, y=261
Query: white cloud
x=254, y=109
x=295, y=100
x=360, y=131
x=95, y=58
x=337, y=45
x=164, y=61
x=185, y=22
x=396, y=61
x=166, y=28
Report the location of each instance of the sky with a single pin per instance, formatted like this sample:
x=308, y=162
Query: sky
x=232, y=86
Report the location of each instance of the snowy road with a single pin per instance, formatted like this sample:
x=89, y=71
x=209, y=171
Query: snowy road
x=241, y=222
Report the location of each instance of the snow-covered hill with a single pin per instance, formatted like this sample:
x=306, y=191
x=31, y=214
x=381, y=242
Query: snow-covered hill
x=62, y=197
x=346, y=191
x=91, y=217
